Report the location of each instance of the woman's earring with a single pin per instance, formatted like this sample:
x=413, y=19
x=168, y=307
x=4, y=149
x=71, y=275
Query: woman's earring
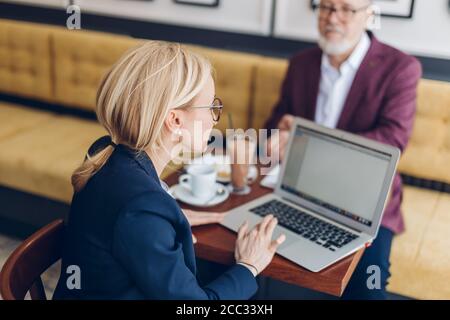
x=179, y=134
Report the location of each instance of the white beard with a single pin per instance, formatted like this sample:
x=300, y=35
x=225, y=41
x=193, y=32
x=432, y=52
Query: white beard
x=334, y=49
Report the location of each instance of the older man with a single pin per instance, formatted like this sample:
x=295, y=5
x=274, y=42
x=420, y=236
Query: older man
x=355, y=83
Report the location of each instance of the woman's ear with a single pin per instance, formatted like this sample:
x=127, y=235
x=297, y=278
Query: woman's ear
x=173, y=122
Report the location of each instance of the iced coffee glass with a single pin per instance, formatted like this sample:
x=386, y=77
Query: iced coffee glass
x=241, y=150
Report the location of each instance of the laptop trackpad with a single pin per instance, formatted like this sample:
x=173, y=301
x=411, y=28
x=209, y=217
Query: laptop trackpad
x=254, y=220
x=289, y=239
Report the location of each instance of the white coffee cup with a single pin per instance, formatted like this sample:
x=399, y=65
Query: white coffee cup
x=200, y=180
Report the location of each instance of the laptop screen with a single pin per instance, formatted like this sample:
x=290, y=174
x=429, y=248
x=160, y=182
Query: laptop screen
x=344, y=177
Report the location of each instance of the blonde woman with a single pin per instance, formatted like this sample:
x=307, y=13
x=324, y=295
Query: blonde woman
x=127, y=237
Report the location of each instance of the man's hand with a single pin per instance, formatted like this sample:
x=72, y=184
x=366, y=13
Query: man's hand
x=278, y=142
x=286, y=122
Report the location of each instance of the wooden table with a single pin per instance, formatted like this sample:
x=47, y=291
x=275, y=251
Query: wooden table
x=216, y=243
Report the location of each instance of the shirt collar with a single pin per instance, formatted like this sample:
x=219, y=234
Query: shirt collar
x=164, y=185
x=355, y=59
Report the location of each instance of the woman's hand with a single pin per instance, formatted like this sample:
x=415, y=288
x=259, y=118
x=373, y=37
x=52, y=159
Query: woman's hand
x=198, y=218
x=256, y=247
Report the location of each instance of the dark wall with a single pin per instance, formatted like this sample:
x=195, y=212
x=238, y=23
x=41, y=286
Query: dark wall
x=434, y=68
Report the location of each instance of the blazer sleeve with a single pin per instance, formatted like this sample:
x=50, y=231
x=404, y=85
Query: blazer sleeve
x=147, y=245
x=396, y=120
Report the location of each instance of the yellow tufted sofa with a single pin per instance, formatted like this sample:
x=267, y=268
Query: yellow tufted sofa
x=40, y=149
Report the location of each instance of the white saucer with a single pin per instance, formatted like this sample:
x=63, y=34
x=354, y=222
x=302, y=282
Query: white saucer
x=223, y=168
x=185, y=195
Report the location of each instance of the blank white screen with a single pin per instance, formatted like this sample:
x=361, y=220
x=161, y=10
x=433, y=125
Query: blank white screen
x=332, y=171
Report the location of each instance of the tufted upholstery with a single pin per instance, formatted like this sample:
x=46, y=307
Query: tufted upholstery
x=58, y=65
x=25, y=60
x=268, y=80
x=431, y=134
x=42, y=150
x=41, y=160
x=15, y=119
x=81, y=59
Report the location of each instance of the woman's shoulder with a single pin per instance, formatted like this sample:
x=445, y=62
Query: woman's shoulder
x=124, y=177
x=126, y=186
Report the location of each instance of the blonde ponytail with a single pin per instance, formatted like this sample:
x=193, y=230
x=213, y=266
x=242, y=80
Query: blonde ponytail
x=89, y=167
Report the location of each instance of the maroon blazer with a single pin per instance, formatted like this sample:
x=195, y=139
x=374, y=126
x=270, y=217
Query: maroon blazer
x=380, y=105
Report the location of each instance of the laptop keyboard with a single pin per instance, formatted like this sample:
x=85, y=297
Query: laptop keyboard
x=318, y=231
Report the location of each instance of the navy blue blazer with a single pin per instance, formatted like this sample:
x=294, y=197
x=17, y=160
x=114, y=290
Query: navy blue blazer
x=131, y=240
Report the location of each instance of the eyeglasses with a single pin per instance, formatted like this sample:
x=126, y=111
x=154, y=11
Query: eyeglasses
x=216, y=109
x=344, y=13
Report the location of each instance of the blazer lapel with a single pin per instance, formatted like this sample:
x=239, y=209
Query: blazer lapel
x=362, y=77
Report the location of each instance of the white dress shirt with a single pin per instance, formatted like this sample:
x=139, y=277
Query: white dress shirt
x=335, y=84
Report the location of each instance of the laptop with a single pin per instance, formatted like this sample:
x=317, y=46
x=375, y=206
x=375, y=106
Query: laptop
x=330, y=195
